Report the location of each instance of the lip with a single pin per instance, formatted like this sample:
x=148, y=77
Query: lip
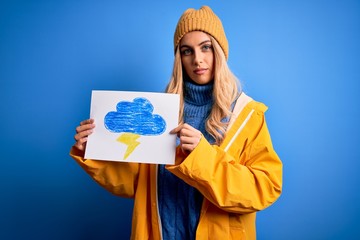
x=200, y=71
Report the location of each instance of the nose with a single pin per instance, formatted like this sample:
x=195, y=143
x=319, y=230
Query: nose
x=198, y=57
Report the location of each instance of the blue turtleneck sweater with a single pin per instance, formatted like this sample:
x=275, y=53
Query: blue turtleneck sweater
x=180, y=203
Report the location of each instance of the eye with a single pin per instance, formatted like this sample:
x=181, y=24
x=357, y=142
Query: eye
x=186, y=52
x=206, y=47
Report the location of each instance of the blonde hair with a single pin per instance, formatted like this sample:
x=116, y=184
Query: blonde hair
x=226, y=90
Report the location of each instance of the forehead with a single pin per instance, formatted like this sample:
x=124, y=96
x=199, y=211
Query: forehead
x=194, y=38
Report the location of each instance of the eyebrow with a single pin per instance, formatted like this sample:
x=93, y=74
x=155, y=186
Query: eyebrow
x=203, y=42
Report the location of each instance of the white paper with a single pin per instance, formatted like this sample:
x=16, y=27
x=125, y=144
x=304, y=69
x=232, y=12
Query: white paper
x=138, y=131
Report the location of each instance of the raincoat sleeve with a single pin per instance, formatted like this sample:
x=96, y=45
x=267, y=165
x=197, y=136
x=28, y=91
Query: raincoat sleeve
x=119, y=178
x=245, y=178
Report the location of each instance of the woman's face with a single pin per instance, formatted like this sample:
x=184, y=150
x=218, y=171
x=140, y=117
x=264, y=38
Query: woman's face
x=197, y=56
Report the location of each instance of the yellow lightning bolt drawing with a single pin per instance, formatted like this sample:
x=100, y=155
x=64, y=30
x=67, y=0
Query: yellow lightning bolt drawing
x=130, y=140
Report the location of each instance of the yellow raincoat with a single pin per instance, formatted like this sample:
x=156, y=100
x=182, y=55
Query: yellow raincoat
x=238, y=178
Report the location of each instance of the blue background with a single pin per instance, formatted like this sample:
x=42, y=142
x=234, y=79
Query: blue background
x=300, y=57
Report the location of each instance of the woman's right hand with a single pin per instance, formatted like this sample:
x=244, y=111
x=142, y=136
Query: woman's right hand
x=82, y=132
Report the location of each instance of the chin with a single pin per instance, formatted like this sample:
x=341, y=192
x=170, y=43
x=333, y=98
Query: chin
x=201, y=80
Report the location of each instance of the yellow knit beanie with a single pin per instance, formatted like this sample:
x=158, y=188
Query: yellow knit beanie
x=204, y=20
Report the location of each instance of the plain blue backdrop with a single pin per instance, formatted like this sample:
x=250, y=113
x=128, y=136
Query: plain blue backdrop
x=300, y=57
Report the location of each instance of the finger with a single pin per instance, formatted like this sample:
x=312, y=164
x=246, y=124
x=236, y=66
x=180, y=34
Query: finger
x=189, y=127
x=177, y=129
x=186, y=140
x=81, y=144
x=188, y=147
x=190, y=143
x=190, y=140
x=190, y=133
x=186, y=132
x=87, y=121
x=81, y=141
x=85, y=127
x=83, y=134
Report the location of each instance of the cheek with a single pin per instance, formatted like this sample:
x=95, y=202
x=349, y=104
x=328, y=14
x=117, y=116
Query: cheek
x=186, y=65
x=211, y=60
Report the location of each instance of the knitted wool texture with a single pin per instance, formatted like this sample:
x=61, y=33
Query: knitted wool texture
x=204, y=20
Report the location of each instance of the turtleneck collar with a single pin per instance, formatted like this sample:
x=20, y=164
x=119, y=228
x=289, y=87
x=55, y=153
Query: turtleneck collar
x=198, y=94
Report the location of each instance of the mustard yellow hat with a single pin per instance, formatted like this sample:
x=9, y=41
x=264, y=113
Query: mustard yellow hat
x=204, y=20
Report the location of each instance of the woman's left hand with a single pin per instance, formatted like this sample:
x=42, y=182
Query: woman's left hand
x=189, y=136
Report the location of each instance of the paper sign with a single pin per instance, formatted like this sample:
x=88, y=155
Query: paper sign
x=133, y=127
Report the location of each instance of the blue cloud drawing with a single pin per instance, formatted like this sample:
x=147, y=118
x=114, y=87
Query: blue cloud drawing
x=135, y=117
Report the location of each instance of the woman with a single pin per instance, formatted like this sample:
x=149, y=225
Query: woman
x=225, y=169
